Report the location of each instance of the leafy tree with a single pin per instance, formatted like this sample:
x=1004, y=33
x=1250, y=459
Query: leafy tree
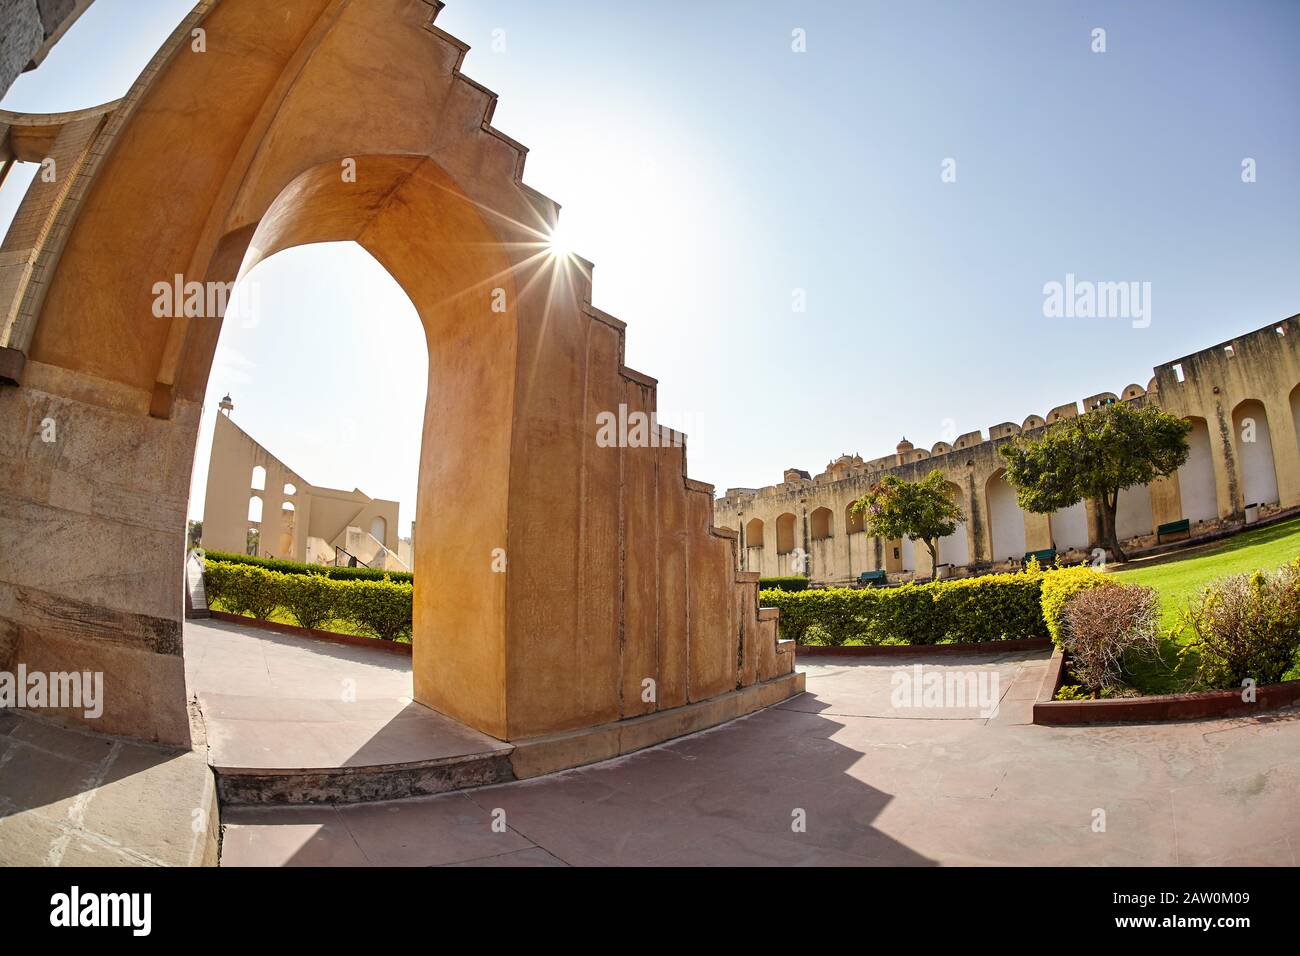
x=1096, y=456
x=921, y=510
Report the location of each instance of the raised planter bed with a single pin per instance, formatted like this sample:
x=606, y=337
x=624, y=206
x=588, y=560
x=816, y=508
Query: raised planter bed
x=1213, y=703
x=356, y=640
x=887, y=650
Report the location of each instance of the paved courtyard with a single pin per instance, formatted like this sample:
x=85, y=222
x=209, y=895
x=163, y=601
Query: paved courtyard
x=270, y=700
x=840, y=776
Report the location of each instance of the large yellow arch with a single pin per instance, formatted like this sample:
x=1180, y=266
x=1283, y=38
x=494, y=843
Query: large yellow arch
x=332, y=120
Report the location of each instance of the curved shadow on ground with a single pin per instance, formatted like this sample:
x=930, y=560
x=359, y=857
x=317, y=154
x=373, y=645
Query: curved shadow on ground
x=771, y=789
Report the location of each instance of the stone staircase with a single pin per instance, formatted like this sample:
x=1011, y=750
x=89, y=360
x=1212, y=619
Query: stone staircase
x=196, y=598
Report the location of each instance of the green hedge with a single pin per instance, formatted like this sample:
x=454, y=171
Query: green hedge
x=380, y=608
x=993, y=607
x=791, y=583
x=1059, y=587
x=300, y=567
x=242, y=589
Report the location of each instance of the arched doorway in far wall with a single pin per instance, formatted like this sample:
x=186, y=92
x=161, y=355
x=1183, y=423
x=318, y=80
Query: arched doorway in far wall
x=1254, y=445
x=1006, y=519
x=288, y=514
x=785, y=537
x=907, y=554
x=858, y=546
x=853, y=521
x=1294, y=404
x=955, y=548
x=754, y=545
x=1196, y=489
x=821, y=543
x=820, y=524
x=1070, y=528
x=1133, y=516
x=787, y=541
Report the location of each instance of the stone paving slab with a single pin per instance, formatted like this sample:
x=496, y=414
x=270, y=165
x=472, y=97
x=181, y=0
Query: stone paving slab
x=278, y=702
x=73, y=798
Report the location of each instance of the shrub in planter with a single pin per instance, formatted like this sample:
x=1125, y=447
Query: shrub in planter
x=995, y=607
x=243, y=589
x=1247, y=626
x=383, y=608
x=217, y=580
x=908, y=614
x=1059, y=587
x=990, y=608
x=817, y=636
x=831, y=610
x=310, y=599
x=1102, y=624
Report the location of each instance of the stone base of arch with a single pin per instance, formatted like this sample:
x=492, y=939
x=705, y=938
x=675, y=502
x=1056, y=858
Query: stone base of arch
x=91, y=528
x=552, y=752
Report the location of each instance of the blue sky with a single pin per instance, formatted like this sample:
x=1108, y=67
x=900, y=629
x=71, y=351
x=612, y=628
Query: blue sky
x=709, y=171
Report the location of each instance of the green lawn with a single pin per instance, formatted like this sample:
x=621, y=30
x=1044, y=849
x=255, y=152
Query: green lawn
x=1179, y=579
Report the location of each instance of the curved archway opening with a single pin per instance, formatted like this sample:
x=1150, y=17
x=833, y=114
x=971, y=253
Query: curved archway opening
x=1069, y=528
x=821, y=524
x=754, y=550
x=316, y=338
x=405, y=221
x=954, y=549
x=1254, y=444
x=1293, y=402
x=785, y=533
x=1196, y=486
x=1134, y=516
x=854, y=523
x=1006, y=519
x=324, y=356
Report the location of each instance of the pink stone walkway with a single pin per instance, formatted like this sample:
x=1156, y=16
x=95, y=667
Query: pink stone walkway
x=276, y=701
x=874, y=785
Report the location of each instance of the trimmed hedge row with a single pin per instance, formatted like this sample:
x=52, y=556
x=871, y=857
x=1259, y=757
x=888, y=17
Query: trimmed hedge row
x=993, y=607
x=380, y=608
x=300, y=567
x=789, y=583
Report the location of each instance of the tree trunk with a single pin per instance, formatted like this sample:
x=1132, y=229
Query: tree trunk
x=1110, y=536
x=934, y=560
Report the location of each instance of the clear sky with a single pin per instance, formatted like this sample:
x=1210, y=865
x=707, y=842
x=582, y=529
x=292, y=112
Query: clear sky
x=710, y=172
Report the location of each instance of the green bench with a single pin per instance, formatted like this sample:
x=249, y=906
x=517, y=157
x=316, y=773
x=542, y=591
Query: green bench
x=1174, y=527
x=1045, y=556
x=873, y=578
